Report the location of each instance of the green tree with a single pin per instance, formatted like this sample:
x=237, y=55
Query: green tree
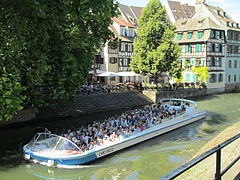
x=49, y=45
x=202, y=73
x=11, y=99
x=154, y=49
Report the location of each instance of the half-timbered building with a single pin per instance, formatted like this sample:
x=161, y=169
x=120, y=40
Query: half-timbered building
x=203, y=44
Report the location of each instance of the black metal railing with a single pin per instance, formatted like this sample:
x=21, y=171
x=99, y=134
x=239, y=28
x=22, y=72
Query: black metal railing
x=217, y=149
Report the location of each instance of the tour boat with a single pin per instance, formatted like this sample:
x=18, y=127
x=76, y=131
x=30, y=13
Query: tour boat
x=53, y=149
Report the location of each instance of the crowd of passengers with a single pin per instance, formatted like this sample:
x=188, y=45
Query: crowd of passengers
x=120, y=127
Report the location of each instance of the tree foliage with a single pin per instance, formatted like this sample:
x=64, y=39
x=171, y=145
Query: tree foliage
x=202, y=73
x=11, y=99
x=48, y=45
x=154, y=49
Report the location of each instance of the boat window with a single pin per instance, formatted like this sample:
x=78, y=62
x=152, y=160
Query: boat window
x=50, y=143
x=64, y=146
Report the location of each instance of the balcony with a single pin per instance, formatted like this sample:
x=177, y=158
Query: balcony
x=215, y=68
x=121, y=69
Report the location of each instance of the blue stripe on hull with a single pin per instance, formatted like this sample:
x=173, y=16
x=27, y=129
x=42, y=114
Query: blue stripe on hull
x=75, y=161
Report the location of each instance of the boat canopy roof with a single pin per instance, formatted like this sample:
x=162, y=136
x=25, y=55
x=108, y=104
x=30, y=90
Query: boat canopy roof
x=52, y=143
x=172, y=101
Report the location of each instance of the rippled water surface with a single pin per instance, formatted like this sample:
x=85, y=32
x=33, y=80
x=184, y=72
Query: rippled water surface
x=148, y=160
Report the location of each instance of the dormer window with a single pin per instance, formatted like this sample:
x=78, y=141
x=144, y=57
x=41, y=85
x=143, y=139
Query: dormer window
x=131, y=32
x=122, y=31
x=189, y=35
x=179, y=36
x=200, y=34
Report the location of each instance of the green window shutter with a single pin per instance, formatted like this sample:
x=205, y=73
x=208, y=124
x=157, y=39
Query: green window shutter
x=202, y=62
x=179, y=36
x=222, y=34
x=212, y=34
x=194, y=78
x=219, y=48
x=200, y=35
x=189, y=35
x=187, y=77
x=187, y=48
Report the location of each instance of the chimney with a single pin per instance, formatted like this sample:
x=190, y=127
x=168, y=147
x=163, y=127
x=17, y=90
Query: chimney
x=200, y=1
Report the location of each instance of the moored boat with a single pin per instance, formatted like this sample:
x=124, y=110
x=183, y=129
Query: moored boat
x=62, y=150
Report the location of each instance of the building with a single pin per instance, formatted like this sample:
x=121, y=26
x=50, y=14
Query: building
x=232, y=37
x=177, y=11
x=118, y=60
x=203, y=44
x=131, y=14
x=210, y=38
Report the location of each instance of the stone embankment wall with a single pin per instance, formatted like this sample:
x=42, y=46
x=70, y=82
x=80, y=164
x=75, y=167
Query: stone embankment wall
x=85, y=104
x=82, y=104
x=21, y=116
x=155, y=96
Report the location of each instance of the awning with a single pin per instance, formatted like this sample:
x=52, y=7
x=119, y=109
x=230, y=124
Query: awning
x=128, y=73
x=109, y=74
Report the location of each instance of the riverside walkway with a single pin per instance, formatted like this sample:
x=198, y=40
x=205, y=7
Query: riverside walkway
x=206, y=169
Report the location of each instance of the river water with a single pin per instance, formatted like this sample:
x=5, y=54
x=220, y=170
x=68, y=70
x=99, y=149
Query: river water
x=148, y=160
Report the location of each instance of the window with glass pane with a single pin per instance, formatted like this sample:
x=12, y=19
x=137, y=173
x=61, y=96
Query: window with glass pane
x=200, y=35
x=235, y=77
x=187, y=77
x=220, y=77
x=198, y=47
x=213, y=78
x=230, y=64
x=189, y=35
x=112, y=78
x=229, y=78
x=213, y=62
x=192, y=62
x=235, y=64
x=220, y=62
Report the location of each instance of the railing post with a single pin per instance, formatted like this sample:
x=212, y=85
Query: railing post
x=218, y=165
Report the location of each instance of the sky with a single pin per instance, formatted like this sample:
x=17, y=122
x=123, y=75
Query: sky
x=230, y=6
